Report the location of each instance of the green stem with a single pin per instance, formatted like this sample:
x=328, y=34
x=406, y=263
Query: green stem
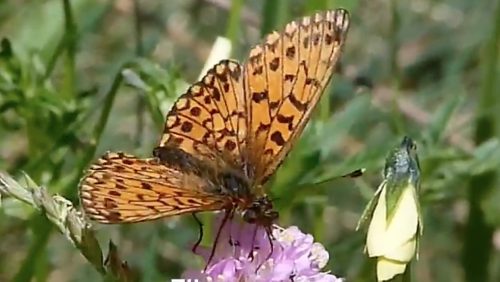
x=42, y=228
x=139, y=51
x=139, y=47
x=53, y=59
x=478, y=233
x=274, y=14
x=106, y=110
x=395, y=71
x=234, y=21
x=70, y=38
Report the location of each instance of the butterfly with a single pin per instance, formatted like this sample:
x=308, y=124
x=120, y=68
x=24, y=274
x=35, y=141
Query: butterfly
x=226, y=136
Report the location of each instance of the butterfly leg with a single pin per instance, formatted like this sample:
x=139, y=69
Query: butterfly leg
x=270, y=238
x=230, y=228
x=250, y=255
x=200, y=237
x=219, y=232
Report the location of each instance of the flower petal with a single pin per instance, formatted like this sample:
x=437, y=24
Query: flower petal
x=387, y=269
x=375, y=239
x=294, y=254
x=392, y=237
x=402, y=253
x=403, y=225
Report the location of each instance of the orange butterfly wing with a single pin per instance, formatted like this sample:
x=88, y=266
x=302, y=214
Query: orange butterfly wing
x=284, y=79
x=122, y=188
x=209, y=120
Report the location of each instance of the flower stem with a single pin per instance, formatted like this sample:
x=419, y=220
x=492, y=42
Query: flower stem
x=477, y=247
x=234, y=21
x=70, y=37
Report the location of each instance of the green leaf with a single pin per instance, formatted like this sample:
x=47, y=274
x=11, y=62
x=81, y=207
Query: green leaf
x=440, y=120
x=91, y=249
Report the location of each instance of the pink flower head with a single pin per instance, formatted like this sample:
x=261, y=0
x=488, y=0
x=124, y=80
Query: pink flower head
x=294, y=257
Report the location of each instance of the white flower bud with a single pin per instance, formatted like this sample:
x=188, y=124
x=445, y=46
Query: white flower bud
x=392, y=240
x=394, y=213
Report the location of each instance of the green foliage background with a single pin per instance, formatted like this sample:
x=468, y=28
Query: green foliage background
x=426, y=68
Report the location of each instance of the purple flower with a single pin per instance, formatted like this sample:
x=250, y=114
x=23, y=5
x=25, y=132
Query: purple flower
x=295, y=256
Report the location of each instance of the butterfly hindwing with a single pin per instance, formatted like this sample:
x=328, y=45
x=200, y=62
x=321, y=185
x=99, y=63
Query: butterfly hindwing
x=123, y=188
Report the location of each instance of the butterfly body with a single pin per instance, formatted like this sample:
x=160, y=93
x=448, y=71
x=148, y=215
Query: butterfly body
x=222, y=180
x=226, y=136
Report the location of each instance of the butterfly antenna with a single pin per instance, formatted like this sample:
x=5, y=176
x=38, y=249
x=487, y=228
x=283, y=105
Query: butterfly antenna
x=230, y=228
x=270, y=238
x=271, y=246
x=355, y=173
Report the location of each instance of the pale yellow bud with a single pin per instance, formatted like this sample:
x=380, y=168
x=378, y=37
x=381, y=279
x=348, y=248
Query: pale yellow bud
x=393, y=240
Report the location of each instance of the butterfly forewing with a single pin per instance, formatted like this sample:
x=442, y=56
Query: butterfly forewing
x=122, y=188
x=284, y=79
x=209, y=120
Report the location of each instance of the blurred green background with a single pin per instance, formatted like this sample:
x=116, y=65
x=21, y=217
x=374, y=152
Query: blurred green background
x=425, y=68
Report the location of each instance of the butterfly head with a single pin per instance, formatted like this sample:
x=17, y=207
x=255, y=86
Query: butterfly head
x=261, y=212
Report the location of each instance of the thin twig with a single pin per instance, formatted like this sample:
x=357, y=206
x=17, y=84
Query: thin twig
x=139, y=51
